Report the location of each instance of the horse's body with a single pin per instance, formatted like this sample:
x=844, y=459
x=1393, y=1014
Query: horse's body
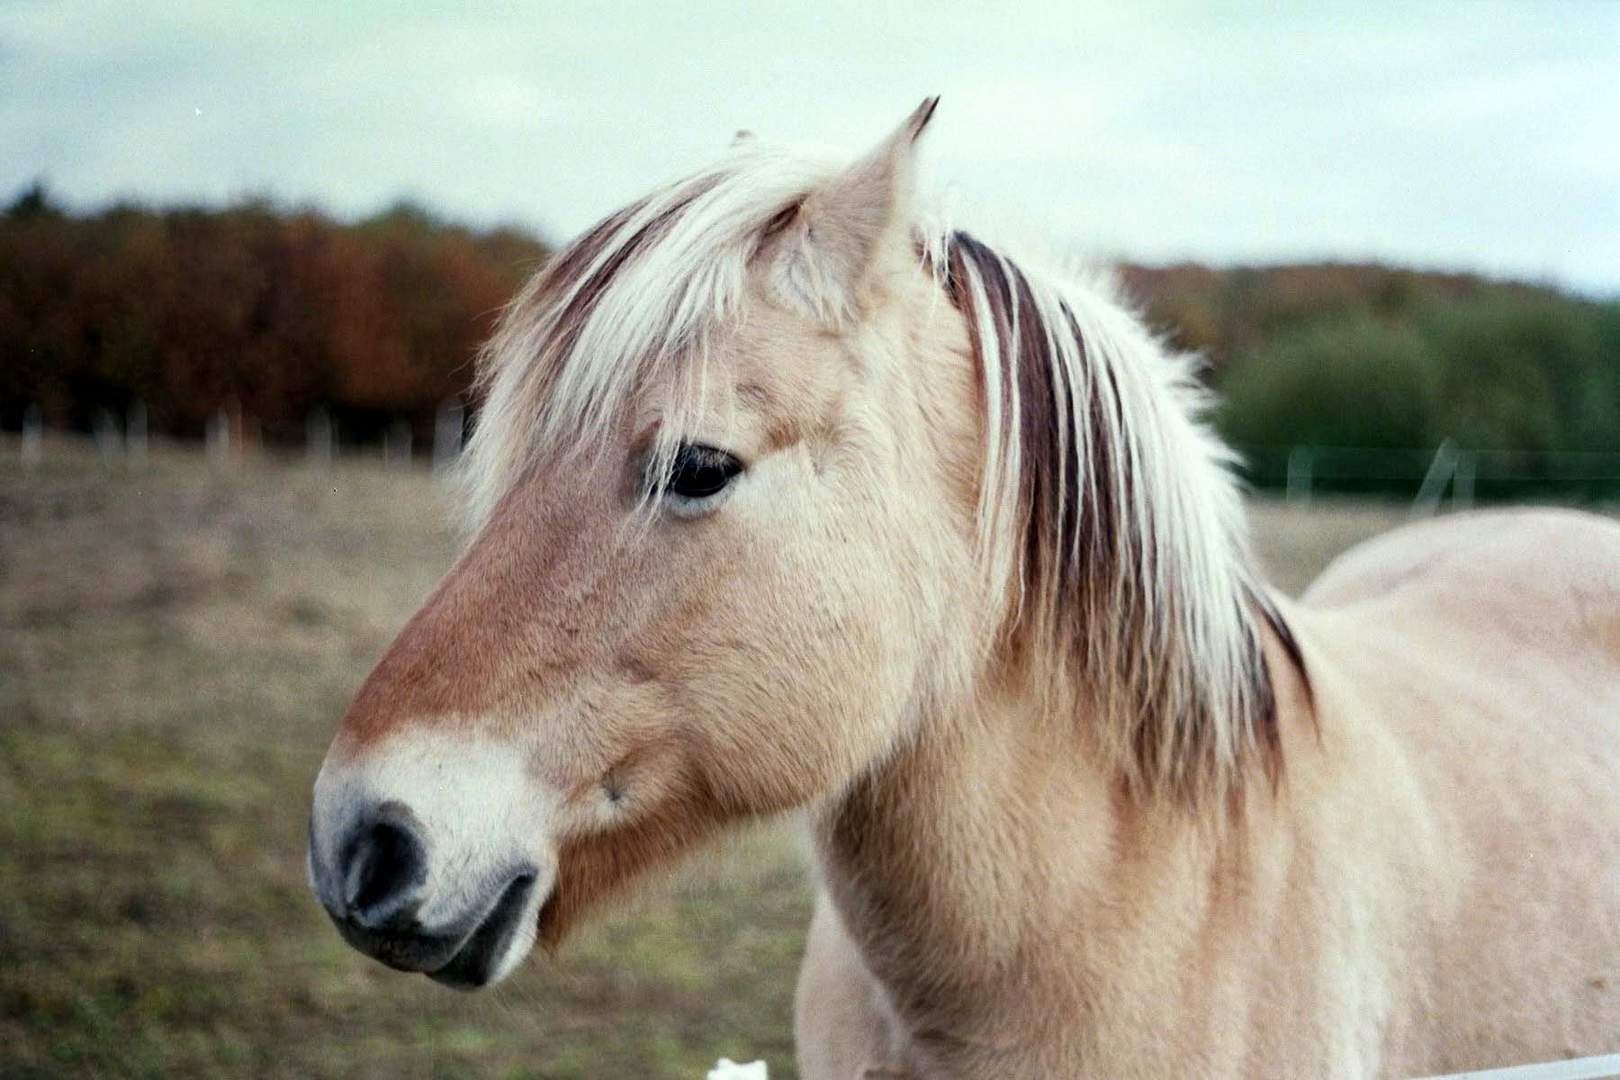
x=1434, y=887
x=785, y=500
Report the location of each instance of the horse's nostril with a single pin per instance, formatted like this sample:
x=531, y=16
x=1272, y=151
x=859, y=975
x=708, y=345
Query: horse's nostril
x=384, y=868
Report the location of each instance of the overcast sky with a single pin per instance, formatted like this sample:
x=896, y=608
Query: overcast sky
x=1468, y=134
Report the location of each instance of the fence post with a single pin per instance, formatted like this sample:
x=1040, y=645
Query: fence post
x=1462, y=483
x=33, y=435
x=1300, y=462
x=135, y=433
x=218, y=436
x=447, y=424
x=1441, y=469
x=397, y=444
x=318, y=437
x=109, y=441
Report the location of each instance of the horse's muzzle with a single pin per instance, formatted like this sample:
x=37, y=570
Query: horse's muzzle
x=375, y=889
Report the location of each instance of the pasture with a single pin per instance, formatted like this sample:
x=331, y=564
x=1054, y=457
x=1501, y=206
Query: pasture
x=176, y=645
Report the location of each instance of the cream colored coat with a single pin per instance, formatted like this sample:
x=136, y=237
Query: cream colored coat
x=1435, y=887
x=1088, y=801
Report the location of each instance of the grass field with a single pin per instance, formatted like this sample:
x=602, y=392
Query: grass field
x=176, y=646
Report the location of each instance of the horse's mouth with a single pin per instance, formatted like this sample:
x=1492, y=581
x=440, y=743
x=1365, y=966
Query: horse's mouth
x=464, y=958
x=486, y=954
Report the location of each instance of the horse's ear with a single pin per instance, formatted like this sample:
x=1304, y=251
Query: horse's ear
x=858, y=218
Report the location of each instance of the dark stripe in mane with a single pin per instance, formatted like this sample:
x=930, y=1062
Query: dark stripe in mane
x=1087, y=545
x=1046, y=435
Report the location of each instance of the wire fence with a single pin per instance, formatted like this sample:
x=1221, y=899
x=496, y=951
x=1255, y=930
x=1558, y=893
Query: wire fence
x=1591, y=1068
x=230, y=436
x=1427, y=475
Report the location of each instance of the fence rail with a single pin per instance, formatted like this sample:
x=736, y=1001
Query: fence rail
x=1590, y=1068
x=1425, y=475
x=229, y=434
x=1302, y=471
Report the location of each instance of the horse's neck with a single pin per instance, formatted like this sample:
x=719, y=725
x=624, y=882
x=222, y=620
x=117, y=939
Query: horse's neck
x=945, y=860
x=994, y=874
x=997, y=872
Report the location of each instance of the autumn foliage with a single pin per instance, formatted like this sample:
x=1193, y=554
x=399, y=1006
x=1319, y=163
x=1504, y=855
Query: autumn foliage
x=252, y=308
x=270, y=313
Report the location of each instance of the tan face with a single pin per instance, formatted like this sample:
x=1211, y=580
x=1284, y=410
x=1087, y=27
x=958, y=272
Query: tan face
x=584, y=696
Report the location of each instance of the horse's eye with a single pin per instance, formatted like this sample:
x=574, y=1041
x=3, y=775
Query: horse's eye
x=699, y=472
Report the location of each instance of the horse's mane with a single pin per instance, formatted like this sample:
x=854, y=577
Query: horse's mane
x=1121, y=525
x=635, y=297
x=1107, y=508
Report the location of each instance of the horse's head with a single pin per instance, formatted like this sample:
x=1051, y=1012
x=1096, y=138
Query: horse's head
x=723, y=557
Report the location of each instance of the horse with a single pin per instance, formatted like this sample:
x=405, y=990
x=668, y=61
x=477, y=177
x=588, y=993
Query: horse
x=787, y=497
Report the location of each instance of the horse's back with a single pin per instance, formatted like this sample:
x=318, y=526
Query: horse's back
x=1528, y=559
x=1513, y=611
x=1487, y=647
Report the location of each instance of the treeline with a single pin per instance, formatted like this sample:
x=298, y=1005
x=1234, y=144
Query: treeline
x=264, y=312
x=1372, y=356
x=271, y=313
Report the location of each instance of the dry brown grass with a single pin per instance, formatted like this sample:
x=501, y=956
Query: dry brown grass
x=176, y=645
